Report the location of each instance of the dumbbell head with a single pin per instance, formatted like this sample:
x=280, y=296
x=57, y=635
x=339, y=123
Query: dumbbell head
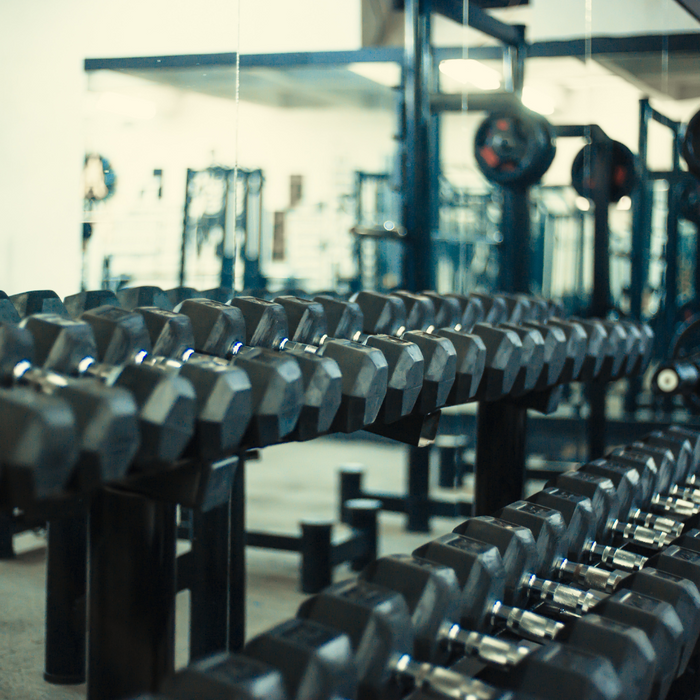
x=277, y=391
x=582, y=357
x=167, y=411
x=306, y=319
x=439, y=369
x=625, y=479
x=132, y=297
x=224, y=405
x=225, y=676
x=16, y=352
x=518, y=308
x=381, y=313
x=431, y=592
x=344, y=319
x=661, y=624
x=679, y=446
x=503, y=361
x=480, y=575
x=616, y=348
x=364, y=376
x=265, y=322
x=323, y=393
x=663, y=459
x=61, y=344
x=171, y=334
x=494, y=307
x=8, y=313
x=378, y=623
x=470, y=364
x=547, y=527
x=40, y=301
x=517, y=548
x=315, y=661
x=599, y=490
x=420, y=311
x=555, y=353
x=645, y=466
x=679, y=592
x=120, y=335
x=77, y=304
x=531, y=358
x=578, y=516
x=555, y=667
x=448, y=311
x=39, y=446
x=218, y=329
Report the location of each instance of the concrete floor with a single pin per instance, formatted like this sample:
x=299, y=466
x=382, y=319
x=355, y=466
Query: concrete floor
x=290, y=483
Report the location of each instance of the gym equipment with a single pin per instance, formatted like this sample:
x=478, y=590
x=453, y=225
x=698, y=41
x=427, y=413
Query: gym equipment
x=432, y=595
x=105, y=416
x=623, y=176
x=379, y=625
x=39, y=447
x=307, y=323
x=691, y=144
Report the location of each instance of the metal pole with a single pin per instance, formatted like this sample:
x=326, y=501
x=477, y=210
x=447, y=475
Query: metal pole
x=515, y=247
x=499, y=468
x=417, y=505
x=66, y=581
x=417, y=178
x=132, y=584
x=237, y=589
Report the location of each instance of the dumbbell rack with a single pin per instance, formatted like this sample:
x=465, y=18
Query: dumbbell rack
x=134, y=574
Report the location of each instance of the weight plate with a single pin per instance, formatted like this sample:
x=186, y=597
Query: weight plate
x=514, y=148
x=623, y=178
x=690, y=202
x=691, y=145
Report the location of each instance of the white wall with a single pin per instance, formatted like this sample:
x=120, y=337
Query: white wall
x=42, y=47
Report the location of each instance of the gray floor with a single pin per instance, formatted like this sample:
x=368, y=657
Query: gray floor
x=290, y=483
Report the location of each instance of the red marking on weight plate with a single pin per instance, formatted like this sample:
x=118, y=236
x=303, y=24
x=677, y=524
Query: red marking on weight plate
x=502, y=124
x=489, y=156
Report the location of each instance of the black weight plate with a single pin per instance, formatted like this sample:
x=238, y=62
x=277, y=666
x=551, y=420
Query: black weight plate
x=691, y=145
x=514, y=148
x=623, y=178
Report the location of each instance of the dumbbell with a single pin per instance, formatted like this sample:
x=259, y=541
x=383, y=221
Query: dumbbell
x=359, y=377
x=105, y=416
x=211, y=329
x=503, y=348
x=166, y=402
x=297, y=660
x=420, y=314
x=658, y=618
x=309, y=322
x=164, y=339
x=379, y=625
x=432, y=595
x=39, y=447
x=554, y=559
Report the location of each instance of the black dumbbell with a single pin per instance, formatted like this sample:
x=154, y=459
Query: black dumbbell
x=344, y=382
x=345, y=319
x=505, y=362
x=481, y=576
x=378, y=622
x=39, y=447
x=166, y=402
x=222, y=676
x=105, y=416
x=76, y=304
x=316, y=661
x=404, y=359
x=163, y=339
x=439, y=354
x=657, y=618
x=432, y=595
x=38, y=301
x=549, y=532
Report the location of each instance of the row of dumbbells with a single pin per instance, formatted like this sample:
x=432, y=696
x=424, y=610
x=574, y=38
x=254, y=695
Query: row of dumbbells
x=106, y=386
x=447, y=622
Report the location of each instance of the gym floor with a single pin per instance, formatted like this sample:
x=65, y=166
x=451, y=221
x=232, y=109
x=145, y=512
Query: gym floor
x=290, y=483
